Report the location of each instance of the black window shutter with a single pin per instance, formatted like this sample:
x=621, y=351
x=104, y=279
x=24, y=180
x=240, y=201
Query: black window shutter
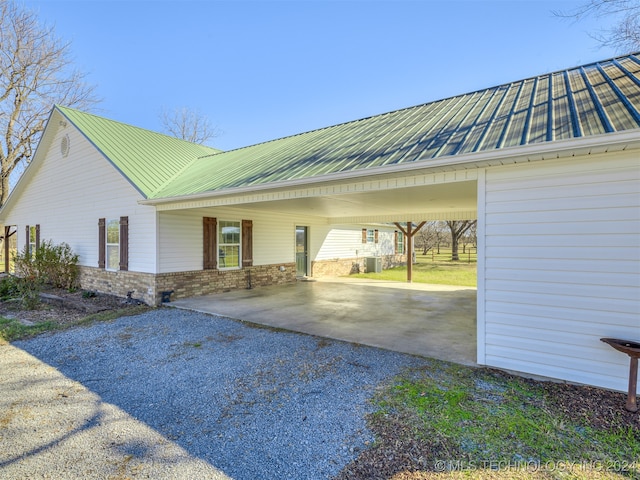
x=102, y=241
x=124, y=243
x=364, y=235
x=37, y=236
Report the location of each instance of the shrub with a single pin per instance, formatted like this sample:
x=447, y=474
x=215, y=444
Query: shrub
x=57, y=265
x=28, y=289
x=27, y=282
x=53, y=264
x=8, y=288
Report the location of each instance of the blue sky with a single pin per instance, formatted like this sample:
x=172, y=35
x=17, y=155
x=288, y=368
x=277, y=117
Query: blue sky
x=263, y=70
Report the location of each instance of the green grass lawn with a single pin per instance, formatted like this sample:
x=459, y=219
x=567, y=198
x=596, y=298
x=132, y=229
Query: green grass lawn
x=434, y=268
x=483, y=423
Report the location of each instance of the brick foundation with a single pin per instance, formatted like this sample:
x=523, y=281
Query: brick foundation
x=337, y=267
x=119, y=283
x=149, y=287
x=348, y=266
x=203, y=282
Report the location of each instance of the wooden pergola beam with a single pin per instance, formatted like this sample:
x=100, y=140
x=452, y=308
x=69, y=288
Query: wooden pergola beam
x=409, y=232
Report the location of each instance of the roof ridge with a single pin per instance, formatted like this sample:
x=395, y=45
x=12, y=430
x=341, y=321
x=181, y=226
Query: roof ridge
x=420, y=105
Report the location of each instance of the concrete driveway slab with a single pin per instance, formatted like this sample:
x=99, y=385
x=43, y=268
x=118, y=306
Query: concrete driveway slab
x=437, y=321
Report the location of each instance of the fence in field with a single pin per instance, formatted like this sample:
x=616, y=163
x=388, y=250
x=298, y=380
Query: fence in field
x=470, y=255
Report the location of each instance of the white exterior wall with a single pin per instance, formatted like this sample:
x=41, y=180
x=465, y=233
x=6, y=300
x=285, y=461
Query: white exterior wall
x=560, y=267
x=345, y=241
x=67, y=195
x=273, y=236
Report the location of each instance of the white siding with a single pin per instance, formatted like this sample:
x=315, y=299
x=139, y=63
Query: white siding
x=67, y=195
x=273, y=238
x=345, y=241
x=561, y=267
x=181, y=236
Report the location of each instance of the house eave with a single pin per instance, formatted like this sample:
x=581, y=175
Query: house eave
x=610, y=142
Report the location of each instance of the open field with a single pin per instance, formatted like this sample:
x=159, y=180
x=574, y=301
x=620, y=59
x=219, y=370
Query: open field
x=435, y=268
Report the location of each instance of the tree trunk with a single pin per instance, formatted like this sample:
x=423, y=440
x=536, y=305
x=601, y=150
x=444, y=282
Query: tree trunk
x=458, y=228
x=4, y=194
x=454, y=248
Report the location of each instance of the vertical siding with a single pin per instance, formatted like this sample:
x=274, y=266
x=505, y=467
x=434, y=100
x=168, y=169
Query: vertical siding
x=561, y=267
x=67, y=195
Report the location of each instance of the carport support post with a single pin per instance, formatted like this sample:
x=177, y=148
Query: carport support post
x=409, y=233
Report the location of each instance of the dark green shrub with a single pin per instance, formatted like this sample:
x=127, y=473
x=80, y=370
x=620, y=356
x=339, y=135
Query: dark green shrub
x=8, y=288
x=57, y=265
x=28, y=282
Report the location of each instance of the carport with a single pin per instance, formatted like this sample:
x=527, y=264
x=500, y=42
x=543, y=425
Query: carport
x=435, y=321
x=429, y=320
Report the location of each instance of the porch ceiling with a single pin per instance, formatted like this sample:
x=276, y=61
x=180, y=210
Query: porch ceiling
x=450, y=201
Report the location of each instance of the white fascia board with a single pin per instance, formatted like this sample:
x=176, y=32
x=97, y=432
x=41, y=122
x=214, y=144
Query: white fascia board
x=618, y=141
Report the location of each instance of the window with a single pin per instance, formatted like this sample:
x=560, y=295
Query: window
x=32, y=239
x=228, y=244
x=113, y=245
x=370, y=236
x=399, y=242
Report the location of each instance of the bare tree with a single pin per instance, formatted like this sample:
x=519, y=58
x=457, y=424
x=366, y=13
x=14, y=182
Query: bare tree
x=430, y=236
x=624, y=36
x=188, y=124
x=469, y=237
x=458, y=229
x=36, y=72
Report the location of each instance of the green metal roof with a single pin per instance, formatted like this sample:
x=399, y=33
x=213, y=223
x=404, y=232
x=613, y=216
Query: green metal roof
x=598, y=98
x=593, y=99
x=148, y=159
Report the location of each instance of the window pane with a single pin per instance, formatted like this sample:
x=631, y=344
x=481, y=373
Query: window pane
x=32, y=235
x=229, y=232
x=229, y=244
x=113, y=257
x=370, y=236
x=113, y=231
x=229, y=256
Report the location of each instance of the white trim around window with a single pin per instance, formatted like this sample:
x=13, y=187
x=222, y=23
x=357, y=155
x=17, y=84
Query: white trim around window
x=112, y=244
x=229, y=244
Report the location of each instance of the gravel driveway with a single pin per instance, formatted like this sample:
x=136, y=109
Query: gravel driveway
x=176, y=394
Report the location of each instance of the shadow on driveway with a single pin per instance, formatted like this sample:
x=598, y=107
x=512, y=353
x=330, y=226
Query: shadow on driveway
x=177, y=394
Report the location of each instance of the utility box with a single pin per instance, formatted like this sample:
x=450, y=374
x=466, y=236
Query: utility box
x=374, y=264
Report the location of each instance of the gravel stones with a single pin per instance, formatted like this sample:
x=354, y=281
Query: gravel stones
x=197, y=391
